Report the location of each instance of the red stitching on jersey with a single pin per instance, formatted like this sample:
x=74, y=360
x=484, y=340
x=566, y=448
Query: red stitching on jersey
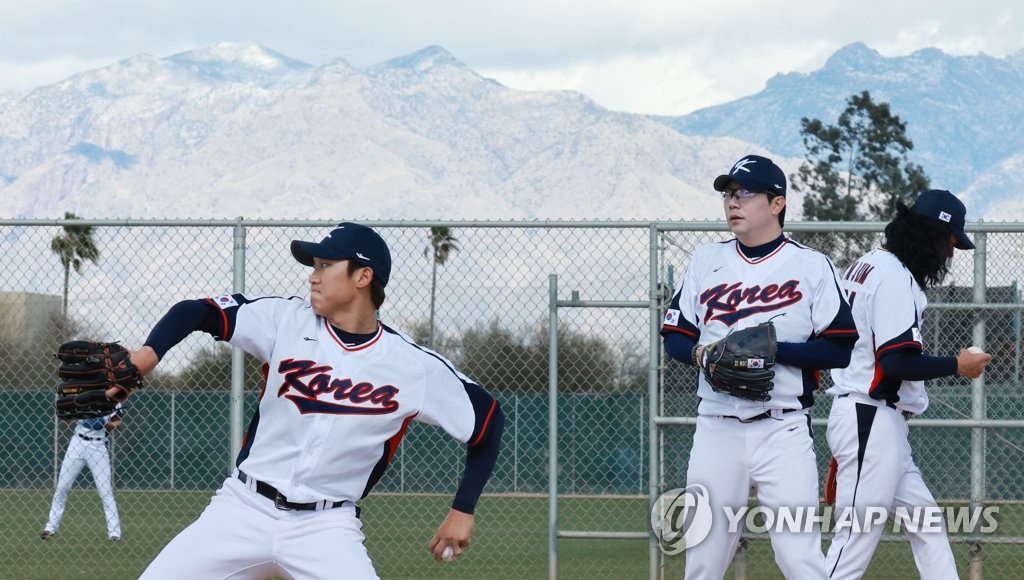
x=876, y=379
x=487, y=421
x=765, y=258
x=367, y=344
x=897, y=345
x=396, y=439
x=879, y=375
x=265, y=371
x=845, y=332
x=677, y=329
x=223, y=316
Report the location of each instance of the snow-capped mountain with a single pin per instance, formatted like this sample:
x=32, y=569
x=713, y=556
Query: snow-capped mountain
x=239, y=130
x=962, y=113
x=236, y=129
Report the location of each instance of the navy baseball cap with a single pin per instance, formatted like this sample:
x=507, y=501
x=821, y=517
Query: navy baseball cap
x=349, y=241
x=755, y=173
x=942, y=205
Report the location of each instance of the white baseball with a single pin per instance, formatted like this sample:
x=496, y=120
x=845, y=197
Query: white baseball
x=448, y=553
x=975, y=350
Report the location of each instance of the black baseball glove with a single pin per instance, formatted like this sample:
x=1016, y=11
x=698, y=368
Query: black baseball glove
x=87, y=371
x=741, y=363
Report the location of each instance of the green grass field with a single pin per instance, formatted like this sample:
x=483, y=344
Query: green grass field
x=510, y=539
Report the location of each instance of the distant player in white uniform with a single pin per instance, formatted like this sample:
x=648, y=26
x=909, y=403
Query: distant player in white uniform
x=89, y=446
x=884, y=384
x=340, y=391
x=759, y=276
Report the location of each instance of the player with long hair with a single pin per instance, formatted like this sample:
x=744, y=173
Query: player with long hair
x=883, y=386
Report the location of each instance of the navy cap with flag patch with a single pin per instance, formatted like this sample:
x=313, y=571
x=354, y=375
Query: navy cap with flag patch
x=349, y=241
x=942, y=205
x=755, y=173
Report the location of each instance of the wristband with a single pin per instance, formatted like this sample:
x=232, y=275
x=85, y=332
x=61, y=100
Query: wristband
x=695, y=355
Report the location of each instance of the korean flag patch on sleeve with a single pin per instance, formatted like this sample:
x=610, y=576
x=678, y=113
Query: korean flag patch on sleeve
x=672, y=317
x=224, y=302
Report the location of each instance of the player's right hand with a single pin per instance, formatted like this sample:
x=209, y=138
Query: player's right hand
x=971, y=364
x=145, y=360
x=455, y=532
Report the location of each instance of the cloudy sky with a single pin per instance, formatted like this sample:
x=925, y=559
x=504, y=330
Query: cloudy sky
x=646, y=56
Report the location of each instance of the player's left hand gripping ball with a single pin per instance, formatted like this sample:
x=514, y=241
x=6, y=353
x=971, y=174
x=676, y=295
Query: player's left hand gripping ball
x=87, y=371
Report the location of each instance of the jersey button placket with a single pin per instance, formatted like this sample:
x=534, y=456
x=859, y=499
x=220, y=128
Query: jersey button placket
x=318, y=433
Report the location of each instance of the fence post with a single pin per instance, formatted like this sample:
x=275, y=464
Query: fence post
x=553, y=426
x=978, y=410
x=653, y=393
x=237, y=357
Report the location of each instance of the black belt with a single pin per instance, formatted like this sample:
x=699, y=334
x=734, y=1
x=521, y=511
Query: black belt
x=91, y=438
x=906, y=414
x=765, y=415
x=281, y=502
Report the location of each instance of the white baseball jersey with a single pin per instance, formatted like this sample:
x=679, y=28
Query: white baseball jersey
x=887, y=305
x=331, y=415
x=722, y=290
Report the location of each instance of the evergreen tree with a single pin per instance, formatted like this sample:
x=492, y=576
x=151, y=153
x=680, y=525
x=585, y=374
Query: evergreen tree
x=856, y=170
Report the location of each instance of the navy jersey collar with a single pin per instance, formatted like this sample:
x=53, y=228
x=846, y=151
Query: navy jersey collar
x=352, y=339
x=763, y=250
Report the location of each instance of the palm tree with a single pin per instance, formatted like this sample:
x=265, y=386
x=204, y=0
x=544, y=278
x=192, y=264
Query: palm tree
x=442, y=245
x=73, y=248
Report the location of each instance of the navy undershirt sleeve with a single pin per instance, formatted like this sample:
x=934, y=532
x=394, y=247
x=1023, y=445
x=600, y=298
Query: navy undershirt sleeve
x=831, y=349
x=482, y=452
x=679, y=346
x=912, y=365
x=821, y=353
x=181, y=320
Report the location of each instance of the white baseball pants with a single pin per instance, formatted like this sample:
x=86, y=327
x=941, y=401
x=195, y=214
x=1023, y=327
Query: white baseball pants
x=96, y=455
x=241, y=534
x=776, y=456
x=876, y=472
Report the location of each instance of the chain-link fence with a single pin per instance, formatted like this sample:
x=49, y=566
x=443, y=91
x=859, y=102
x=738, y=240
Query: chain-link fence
x=486, y=307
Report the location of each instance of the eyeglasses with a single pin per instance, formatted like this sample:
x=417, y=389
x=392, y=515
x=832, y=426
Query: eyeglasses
x=741, y=193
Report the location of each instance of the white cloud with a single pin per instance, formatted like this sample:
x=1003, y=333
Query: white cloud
x=652, y=56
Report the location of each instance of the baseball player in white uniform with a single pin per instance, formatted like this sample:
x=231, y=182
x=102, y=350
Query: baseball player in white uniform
x=341, y=388
x=760, y=275
x=89, y=446
x=884, y=384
